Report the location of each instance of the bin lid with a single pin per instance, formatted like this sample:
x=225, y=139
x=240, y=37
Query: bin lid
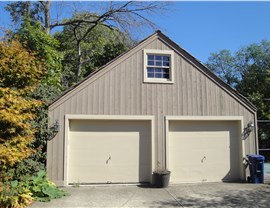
x=256, y=156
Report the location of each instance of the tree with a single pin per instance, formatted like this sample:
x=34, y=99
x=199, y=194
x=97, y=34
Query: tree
x=126, y=16
x=115, y=14
x=223, y=65
x=21, y=10
x=20, y=73
x=24, y=89
x=45, y=47
x=98, y=48
x=253, y=63
x=249, y=70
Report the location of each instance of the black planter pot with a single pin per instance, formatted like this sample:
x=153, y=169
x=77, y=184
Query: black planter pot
x=161, y=179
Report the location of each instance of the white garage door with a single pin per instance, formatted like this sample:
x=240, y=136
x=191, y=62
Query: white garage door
x=201, y=151
x=109, y=151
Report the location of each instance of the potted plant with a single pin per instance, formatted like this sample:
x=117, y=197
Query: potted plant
x=161, y=177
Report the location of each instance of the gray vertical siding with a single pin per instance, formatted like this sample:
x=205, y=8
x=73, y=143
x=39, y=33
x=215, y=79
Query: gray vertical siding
x=119, y=90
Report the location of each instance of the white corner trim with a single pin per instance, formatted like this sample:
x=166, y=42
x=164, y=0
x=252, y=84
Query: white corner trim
x=158, y=52
x=69, y=117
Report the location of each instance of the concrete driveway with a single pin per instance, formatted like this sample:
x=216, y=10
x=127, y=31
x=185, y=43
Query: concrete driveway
x=184, y=195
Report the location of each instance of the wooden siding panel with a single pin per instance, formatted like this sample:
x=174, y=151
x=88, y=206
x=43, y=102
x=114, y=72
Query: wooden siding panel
x=184, y=89
x=107, y=94
x=79, y=102
x=139, y=78
x=189, y=90
x=178, y=92
x=194, y=92
x=208, y=97
x=111, y=87
x=50, y=154
x=128, y=87
x=199, y=91
x=203, y=95
x=133, y=82
x=84, y=102
x=218, y=102
x=117, y=102
x=174, y=96
x=60, y=148
x=122, y=89
x=55, y=149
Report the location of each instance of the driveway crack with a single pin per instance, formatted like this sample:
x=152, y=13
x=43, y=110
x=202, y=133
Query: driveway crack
x=132, y=195
x=178, y=202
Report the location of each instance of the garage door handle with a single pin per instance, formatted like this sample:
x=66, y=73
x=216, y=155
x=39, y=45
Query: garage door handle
x=203, y=159
x=108, y=159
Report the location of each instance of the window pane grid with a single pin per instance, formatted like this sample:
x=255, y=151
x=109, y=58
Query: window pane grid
x=158, y=60
x=153, y=72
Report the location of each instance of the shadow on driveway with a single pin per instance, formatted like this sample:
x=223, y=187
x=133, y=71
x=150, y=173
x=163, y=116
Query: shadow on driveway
x=202, y=195
x=221, y=195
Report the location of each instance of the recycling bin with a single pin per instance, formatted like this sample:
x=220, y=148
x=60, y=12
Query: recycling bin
x=256, y=168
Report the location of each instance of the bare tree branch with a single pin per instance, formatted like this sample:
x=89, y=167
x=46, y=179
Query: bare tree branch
x=127, y=15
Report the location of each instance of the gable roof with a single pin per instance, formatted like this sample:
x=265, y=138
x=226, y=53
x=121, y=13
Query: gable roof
x=182, y=52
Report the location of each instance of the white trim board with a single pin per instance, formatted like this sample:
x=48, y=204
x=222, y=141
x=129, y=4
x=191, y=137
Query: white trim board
x=158, y=52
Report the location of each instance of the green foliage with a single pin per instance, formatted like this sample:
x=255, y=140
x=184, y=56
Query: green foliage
x=253, y=62
x=110, y=51
x=44, y=190
x=26, y=169
x=99, y=47
x=14, y=194
x=46, y=93
x=249, y=70
x=258, y=100
x=20, y=73
x=223, y=65
x=20, y=10
x=21, y=193
x=19, y=68
x=46, y=49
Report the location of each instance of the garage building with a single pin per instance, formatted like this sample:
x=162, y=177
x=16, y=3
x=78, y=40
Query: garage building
x=153, y=107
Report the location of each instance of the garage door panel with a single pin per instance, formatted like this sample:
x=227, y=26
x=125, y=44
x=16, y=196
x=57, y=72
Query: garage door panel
x=190, y=146
x=109, y=151
x=186, y=175
x=203, y=151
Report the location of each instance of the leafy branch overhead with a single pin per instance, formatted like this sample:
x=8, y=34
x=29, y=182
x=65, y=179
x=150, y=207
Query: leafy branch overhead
x=125, y=16
x=121, y=16
x=248, y=70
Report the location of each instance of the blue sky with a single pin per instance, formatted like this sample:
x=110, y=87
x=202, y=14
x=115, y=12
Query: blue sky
x=205, y=27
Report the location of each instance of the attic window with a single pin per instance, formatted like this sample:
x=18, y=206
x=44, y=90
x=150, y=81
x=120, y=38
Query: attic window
x=158, y=66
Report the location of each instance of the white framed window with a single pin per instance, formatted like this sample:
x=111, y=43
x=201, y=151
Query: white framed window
x=158, y=66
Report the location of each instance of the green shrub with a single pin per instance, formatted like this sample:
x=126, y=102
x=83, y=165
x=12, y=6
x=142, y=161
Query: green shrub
x=44, y=190
x=26, y=169
x=20, y=194
x=14, y=194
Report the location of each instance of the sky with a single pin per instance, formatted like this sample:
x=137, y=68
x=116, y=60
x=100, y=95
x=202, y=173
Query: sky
x=202, y=28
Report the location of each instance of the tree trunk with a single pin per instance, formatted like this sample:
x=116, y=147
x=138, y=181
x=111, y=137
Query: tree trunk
x=27, y=13
x=47, y=14
x=79, y=61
